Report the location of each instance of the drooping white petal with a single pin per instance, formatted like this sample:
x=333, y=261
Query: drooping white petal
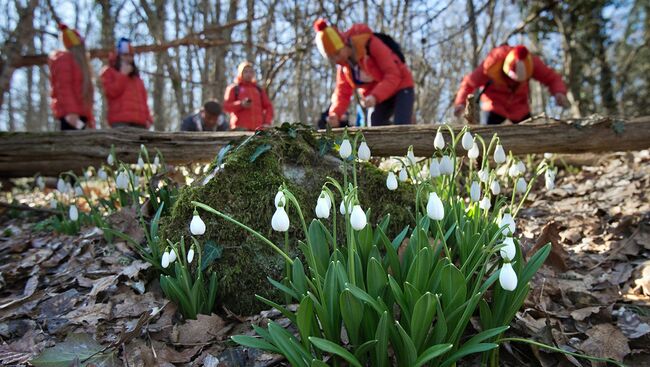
x=434, y=168
x=473, y=151
x=280, y=220
x=485, y=203
x=345, y=149
x=508, y=277
x=140, y=163
x=279, y=199
x=122, y=180
x=439, y=141
x=54, y=204
x=60, y=186
x=499, y=154
x=358, y=219
x=435, y=209
x=507, y=220
x=363, y=152
x=391, y=181
x=322, y=208
x=548, y=155
x=197, y=226
x=495, y=187
x=446, y=166
x=467, y=140
x=484, y=175
x=190, y=255
x=165, y=260
x=172, y=256
x=40, y=182
x=508, y=251
x=403, y=176
x=549, y=179
x=475, y=191
x=102, y=174
x=521, y=185
x=74, y=213
x=410, y=156
x=521, y=167
x=110, y=159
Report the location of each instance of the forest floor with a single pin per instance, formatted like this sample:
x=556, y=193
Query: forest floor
x=81, y=295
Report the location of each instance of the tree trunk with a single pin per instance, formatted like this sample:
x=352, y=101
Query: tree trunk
x=471, y=15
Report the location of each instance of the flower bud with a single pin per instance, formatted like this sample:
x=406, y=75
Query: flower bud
x=140, y=162
x=434, y=168
x=521, y=185
x=122, y=180
x=363, y=152
x=110, y=159
x=60, y=186
x=473, y=151
x=507, y=277
x=322, y=207
x=156, y=161
x=549, y=179
x=197, y=226
x=475, y=191
x=485, y=203
x=439, y=141
x=446, y=166
x=345, y=149
x=495, y=187
x=508, y=249
x=467, y=140
x=102, y=174
x=435, y=209
x=391, y=181
x=190, y=255
x=74, y=213
x=499, y=154
x=403, y=175
x=508, y=223
x=165, y=260
x=342, y=207
x=280, y=220
x=410, y=156
x=358, y=219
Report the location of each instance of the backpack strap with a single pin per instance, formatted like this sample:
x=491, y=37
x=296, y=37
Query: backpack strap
x=259, y=89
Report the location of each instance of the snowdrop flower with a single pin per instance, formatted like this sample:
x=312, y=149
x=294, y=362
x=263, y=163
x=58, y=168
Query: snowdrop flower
x=507, y=277
x=140, y=162
x=403, y=175
x=410, y=156
x=88, y=174
x=78, y=191
x=549, y=179
x=499, y=154
x=190, y=255
x=40, y=182
x=434, y=168
x=197, y=226
x=475, y=191
x=508, y=249
x=521, y=185
x=102, y=174
x=439, y=141
x=495, y=187
x=280, y=220
x=391, y=181
x=513, y=171
x=54, y=204
x=172, y=256
x=60, y=185
x=110, y=159
x=363, y=152
x=74, y=213
x=485, y=203
x=435, y=209
x=165, y=260
x=484, y=175
x=467, y=140
x=446, y=167
x=509, y=223
x=322, y=207
x=358, y=218
x=156, y=160
x=548, y=155
x=473, y=151
x=122, y=180
x=342, y=207
x=279, y=199
x=521, y=167
x=345, y=149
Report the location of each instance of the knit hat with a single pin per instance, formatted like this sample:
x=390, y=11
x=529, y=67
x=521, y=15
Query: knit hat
x=124, y=46
x=328, y=39
x=518, y=64
x=70, y=37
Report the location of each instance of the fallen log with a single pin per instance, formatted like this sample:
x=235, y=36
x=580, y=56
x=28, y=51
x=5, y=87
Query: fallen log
x=49, y=153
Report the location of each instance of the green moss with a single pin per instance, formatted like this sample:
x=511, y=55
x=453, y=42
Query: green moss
x=245, y=190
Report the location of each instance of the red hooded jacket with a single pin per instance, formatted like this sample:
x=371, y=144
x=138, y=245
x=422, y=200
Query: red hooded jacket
x=260, y=112
x=66, y=81
x=380, y=70
x=126, y=98
x=505, y=96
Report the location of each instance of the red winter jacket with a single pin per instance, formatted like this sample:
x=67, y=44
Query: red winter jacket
x=66, y=81
x=505, y=96
x=126, y=98
x=380, y=70
x=260, y=112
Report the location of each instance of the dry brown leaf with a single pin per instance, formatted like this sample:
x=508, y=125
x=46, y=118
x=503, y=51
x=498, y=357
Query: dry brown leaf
x=102, y=284
x=583, y=313
x=557, y=256
x=201, y=330
x=606, y=341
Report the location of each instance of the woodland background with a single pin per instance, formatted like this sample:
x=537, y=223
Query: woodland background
x=600, y=47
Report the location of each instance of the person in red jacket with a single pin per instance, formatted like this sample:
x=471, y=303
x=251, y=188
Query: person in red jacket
x=125, y=93
x=71, y=82
x=365, y=62
x=504, y=76
x=248, y=104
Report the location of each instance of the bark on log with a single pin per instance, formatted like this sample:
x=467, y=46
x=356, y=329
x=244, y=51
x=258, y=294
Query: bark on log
x=24, y=154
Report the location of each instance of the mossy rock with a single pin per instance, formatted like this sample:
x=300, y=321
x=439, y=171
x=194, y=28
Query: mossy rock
x=245, y=188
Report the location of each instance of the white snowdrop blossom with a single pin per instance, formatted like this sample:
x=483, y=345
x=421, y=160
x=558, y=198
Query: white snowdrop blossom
x=102, y=174
x=165, y=260
x=342, y=207
x=73, y=213
x=499, y=154
x=435, y=209
x=508, y=277
x=322, y=207
x=40, y=182
x=78, y=191
x=110, y=159
x=484, y=175
x=410, y=156
x=197, y=225
x=363, y=152
x=495, y=187
x=508, y=249
x=434, y=168
x=358, y=219
x=279, y=199
x=473, y=151
x=446, y=166
x=475, y=191
x=54, y=204
x=509, y=222
x=190, y=255
x=549, y=179
x=60, y=186
x=88, y=174
x=548, y=155
x=122, y=181
x=391, y=181
x=467, y=140
x=140, y=162
x=485, y=203
x=521, y=167
x=156, y=161
x=280, y=220
x=345, y=149
x=439, y=141
x=513, y=171
x=172, y=256
x=521, y=185
x=403, y=176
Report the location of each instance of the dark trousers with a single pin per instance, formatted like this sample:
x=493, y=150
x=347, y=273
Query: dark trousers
x=400, y=105
x=66, y=126
x=495, y=119
x=120, y=125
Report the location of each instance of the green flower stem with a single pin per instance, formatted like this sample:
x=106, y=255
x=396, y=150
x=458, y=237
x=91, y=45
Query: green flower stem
x=530, y=186
x=444, y=241
x=545, y=346
x=249, y=229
